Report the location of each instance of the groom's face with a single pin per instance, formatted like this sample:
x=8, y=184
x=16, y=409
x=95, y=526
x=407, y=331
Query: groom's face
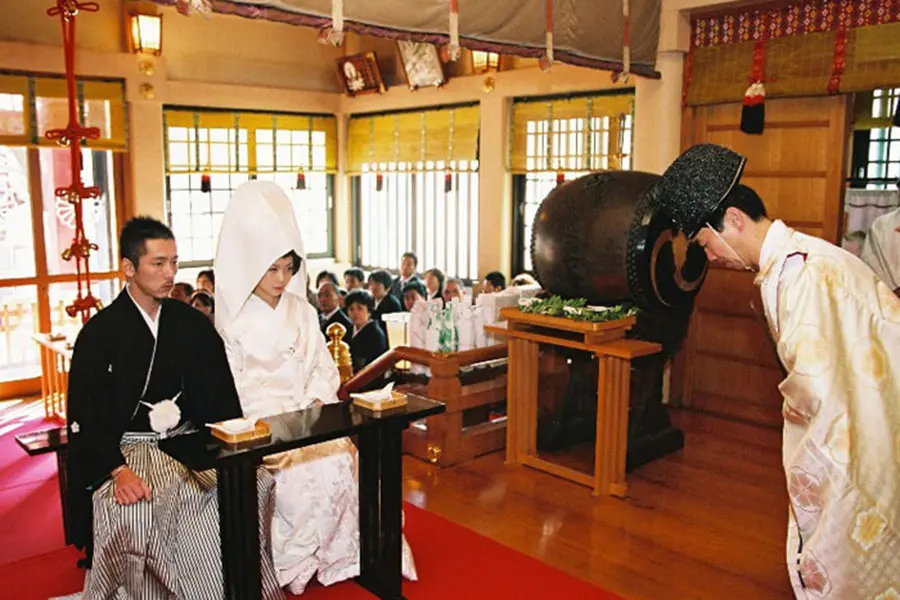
x=155, y=272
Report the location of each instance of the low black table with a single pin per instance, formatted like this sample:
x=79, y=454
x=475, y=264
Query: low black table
x=52, y=440
x=379, y=440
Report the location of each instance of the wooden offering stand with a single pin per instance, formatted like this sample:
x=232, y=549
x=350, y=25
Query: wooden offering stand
x=526, y=332
x=445, y=440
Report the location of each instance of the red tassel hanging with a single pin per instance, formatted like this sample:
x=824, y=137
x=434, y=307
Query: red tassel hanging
x=448, y=183
x=301, y=181
x=205, y=183
x=379, y=182
x=753, y=113
x=560, y=178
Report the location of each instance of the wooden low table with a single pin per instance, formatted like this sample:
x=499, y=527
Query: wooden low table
x=52, y=440
x=380, y=446
x=526, y=332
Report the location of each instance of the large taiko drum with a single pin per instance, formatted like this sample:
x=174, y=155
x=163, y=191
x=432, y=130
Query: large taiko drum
x=605, y=238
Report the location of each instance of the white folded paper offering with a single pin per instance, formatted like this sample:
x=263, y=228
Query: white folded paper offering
x=381, y=395
x=234, y=426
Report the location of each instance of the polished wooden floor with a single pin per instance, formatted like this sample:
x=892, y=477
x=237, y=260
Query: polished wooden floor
x=707, y=522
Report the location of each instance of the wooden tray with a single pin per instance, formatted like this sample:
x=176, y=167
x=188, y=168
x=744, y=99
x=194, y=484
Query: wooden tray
x=260, y=435
x=514, y=315
x=398, y=399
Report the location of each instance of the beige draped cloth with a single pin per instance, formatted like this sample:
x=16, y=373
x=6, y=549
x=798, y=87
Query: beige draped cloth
x=837, y=328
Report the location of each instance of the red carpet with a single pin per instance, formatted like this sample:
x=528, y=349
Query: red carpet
x=30, y=516
x=453, y=562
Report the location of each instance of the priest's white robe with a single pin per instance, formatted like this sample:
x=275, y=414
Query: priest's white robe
x=837, y=329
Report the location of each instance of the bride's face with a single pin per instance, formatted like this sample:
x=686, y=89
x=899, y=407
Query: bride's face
x=275, y=279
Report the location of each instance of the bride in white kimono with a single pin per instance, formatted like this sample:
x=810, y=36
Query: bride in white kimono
x=280, y=364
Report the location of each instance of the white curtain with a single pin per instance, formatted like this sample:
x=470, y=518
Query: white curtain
x=861, y=208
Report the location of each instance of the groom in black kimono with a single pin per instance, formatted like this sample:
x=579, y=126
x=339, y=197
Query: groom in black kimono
x=147, y=368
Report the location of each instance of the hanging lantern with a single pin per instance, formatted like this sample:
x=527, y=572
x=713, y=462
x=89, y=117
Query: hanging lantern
x=482, y=62
x=379, y=182
x=448, y=183
x=205, y=183
x=560, y=178
x=301, y=180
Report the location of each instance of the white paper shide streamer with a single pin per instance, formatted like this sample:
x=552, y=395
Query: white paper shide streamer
x=454, y=48
x=186, y=7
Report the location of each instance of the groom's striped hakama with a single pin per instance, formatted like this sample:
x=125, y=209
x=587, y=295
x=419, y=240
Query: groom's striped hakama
x=167, y=548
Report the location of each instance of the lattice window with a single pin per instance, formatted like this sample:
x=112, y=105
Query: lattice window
x=594, y=133
x=226, y=148
x=425, y=199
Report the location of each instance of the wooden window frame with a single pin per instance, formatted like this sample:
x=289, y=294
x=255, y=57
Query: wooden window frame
x=42, y=279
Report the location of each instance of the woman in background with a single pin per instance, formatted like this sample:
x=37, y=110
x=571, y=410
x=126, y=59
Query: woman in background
x=367, y=339
x=205, y=303
x=434, y=283
x=206, y=280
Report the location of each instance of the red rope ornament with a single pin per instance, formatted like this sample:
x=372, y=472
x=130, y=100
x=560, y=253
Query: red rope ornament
x=71, y=137
x=844, y=22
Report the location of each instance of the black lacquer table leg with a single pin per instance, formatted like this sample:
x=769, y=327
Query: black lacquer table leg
x=380, y=510
x=239, y=528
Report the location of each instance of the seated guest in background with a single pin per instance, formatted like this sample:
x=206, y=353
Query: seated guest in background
x=326, y=276
x=206, y=280
x=311, y=295
x=143, y=368
x=523, y=279
x=182, y=292
x=354, y=279
x=368, y=341
x=434, y=283
x=330, y=302
x=204, y=302
x=408, y=264
x=379, y=284
x=494, y=281
x=413, y=292
x=454, y=289
x=882, y=249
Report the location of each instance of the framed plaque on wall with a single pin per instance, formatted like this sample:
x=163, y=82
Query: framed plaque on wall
x=422, y=64
x=359, y=74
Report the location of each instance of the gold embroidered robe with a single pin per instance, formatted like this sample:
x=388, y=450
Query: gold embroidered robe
x=837, y=329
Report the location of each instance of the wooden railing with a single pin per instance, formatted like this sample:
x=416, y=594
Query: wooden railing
x=18, y=323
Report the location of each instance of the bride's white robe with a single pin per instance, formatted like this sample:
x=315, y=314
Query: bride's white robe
x=280, y=364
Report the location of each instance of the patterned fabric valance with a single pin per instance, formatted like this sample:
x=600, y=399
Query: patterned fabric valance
x=811, y=47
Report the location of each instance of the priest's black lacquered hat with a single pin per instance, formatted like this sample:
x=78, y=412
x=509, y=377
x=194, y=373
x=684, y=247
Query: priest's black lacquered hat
x=697, y=183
